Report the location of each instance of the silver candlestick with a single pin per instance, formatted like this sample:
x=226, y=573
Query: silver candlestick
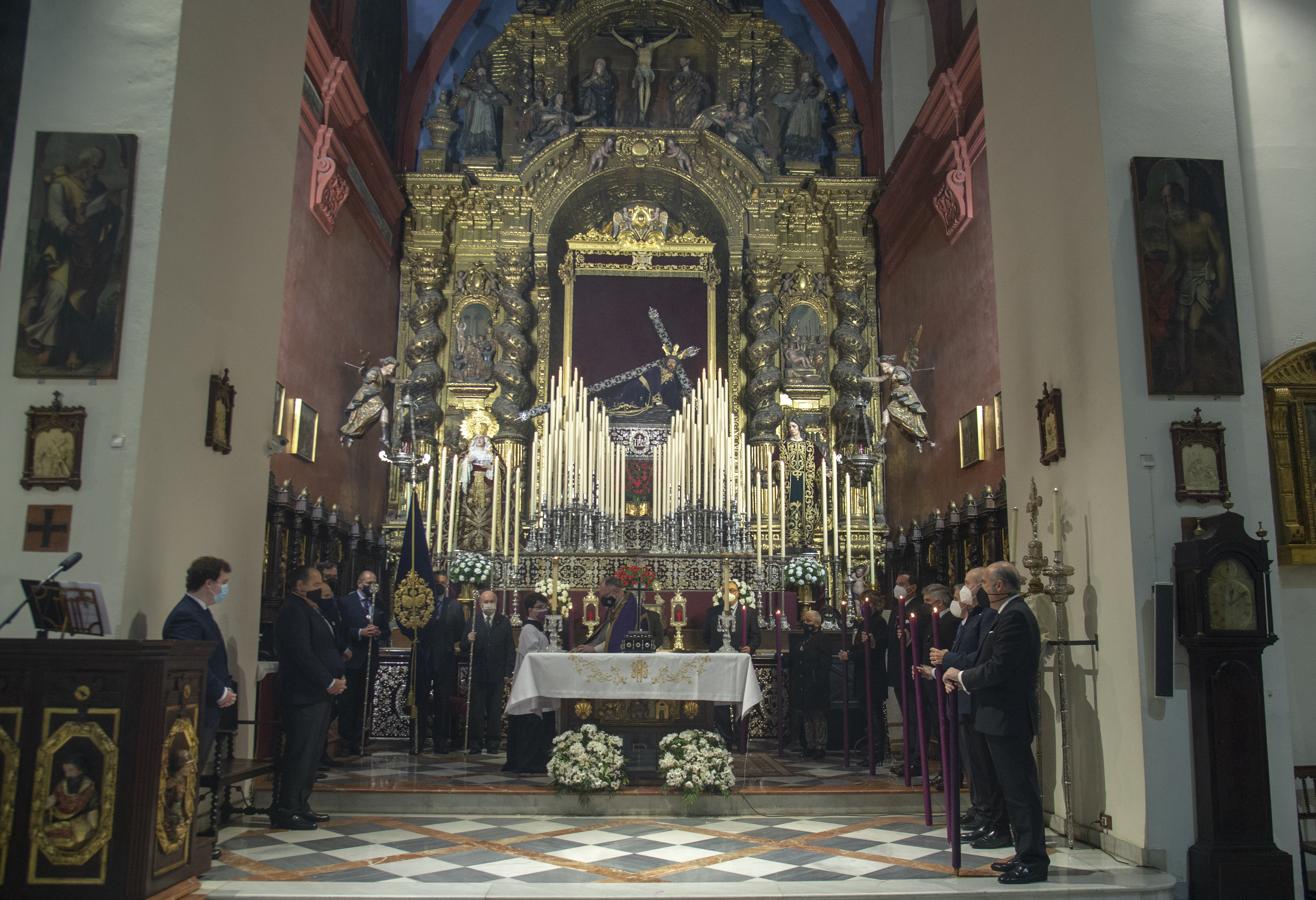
x=1059, y=590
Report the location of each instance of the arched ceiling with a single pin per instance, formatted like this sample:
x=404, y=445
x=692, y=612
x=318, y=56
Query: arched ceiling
x=443, y=37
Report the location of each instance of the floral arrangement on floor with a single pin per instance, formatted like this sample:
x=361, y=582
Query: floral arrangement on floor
x=545, y=586
x=747, y=595
x=805, y=571
x=695, y=762
x=587, y=761
x=632, y=577
x=470, y=568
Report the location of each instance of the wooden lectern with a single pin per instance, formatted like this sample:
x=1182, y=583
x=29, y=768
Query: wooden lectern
x=98, y=767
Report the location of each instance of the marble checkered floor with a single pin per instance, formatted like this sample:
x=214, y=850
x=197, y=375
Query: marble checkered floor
x=541, y=856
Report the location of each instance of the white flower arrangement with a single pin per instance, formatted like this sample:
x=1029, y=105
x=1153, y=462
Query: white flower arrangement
x=470, y=568
x=695, y=762
x=747, y=595
x=545, y=586
x=805, y=571
x=587, y=761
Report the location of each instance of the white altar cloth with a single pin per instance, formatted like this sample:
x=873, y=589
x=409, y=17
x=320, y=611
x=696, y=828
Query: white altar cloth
x=725, y=678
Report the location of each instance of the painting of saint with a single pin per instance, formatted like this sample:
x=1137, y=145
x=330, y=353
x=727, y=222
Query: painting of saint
x=71, y=311
x=1189, y=312
x=72, y=810
x=473, y=346
x=805, y=347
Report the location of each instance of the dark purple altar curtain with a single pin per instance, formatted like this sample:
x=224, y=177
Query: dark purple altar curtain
x=611, y=331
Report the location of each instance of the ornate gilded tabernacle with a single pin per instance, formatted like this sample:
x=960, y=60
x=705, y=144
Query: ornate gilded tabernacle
x=736, y=168
x=1290, y=388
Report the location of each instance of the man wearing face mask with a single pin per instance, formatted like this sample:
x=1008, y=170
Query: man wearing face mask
x=810, y=682
x=898, y=661
x=530, y=736
x=362, y=634
x=493, y=659
x=310, y=676
x=987, y=806
x=622, y=616
x=191, y=620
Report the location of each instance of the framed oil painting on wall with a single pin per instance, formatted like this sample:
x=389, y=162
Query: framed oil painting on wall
x=70, y=318
x=1185, y=266
x=53, y=455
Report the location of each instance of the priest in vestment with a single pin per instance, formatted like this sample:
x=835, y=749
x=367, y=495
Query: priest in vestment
x=622, y=617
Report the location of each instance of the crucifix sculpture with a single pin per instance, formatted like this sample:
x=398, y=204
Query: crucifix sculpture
x=670, y=352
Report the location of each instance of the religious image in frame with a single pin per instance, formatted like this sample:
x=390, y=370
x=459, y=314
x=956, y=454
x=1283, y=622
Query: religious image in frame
x=998, y=422
x=305, y=430
x=1185, y=265
x=75, y=269
x=473, y=346
x=1050, y=425
x=53, y=458
x=219, y=414
x=973, y=443
x=805, y=347
x=1199, y=460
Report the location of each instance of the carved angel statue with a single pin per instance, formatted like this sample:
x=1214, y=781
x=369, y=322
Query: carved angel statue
x=904, y=405
x=368, y=405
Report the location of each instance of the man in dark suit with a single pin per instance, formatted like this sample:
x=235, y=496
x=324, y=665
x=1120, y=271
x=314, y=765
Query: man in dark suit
x=191, y=620
x=439, y=647
x=493, y=659
x=897, y=675
x=870, y=641
x=745, y=637
x=364, y=626
x=1002, y=687
x=310, y=676
x=987, y=809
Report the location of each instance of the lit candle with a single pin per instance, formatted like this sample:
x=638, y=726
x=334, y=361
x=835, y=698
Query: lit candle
x=429, y=508
x=1060, y=535
x=493, y=509
x=758, y=526
x=452, y=502
x=441, y=502
x=516, y=527
x=836, y=507
x=826, y=552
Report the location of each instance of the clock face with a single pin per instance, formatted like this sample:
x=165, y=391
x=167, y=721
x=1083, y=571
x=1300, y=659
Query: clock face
x=1231, y=595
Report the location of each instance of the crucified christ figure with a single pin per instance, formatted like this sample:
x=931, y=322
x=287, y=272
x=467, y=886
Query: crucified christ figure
x=642, y=81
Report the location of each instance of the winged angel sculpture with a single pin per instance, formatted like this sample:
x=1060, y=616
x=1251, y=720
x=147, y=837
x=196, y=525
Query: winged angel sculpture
x=903, y=405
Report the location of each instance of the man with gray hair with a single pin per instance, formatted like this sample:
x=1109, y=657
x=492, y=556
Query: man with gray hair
x=1001, y=685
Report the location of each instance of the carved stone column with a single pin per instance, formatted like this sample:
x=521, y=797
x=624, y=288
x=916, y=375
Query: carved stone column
x=852, y=349
x=763, y=353
x=512, y=372
x=425, y=347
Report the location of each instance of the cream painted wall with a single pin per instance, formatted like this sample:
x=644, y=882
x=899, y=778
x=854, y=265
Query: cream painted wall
x=89, y=67
x=907, y=59
x=1274, y=71
x=219, y=298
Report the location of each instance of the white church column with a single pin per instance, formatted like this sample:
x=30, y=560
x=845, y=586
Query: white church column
x=211, y=90
x=1072, y=92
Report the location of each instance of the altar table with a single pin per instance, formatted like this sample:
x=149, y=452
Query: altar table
x=720, y=678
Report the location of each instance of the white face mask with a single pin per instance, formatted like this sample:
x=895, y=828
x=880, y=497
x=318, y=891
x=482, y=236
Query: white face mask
x=900, y=592
x=956, y=609
x=966, y=595
x=488, y=609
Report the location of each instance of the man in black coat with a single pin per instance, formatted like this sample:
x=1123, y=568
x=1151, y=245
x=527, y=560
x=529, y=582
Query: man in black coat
x=362, y=632
x=493, y=660
x=191, y=620
x=310, y=676
x=1002, y=689
x=987, y=810
x=439, y=647
x=810, y=682
x=870, y=674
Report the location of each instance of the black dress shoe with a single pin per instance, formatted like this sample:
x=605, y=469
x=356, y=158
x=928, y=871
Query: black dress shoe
x=1024, y=873
x=996, y=839
x=292, y=823
x=1004, y=865
x=315, y=816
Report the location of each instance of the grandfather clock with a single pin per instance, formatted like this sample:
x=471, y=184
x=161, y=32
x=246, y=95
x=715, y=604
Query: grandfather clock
x=1225, y=620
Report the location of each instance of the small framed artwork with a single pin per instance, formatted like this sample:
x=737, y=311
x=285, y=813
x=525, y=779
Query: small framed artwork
x=53, y=458
x=46, y=529
x=973, y=442
x=280, y=402
x=305, y=429
x=219, y=414
x=1199, y=460
x=1050, y=425
x=998, y=424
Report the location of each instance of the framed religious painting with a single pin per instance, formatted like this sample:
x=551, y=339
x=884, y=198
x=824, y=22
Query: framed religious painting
x=70, y=314
x=53, y=456
x=1186, y=271
x=305, y=430
x=219, y=414
x=1050, y=425
x=973, y=442
x=1199, y=460
x=998, y=423
x=280, y=403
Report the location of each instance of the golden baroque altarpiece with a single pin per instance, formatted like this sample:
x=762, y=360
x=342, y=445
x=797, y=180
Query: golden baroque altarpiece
x=784, y=244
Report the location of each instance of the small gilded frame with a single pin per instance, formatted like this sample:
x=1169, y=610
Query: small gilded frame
x=305, y=430
x=53, y=458
x=973, y=437
x=1199, y=460
x=1050, y=425
x=219, y=414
